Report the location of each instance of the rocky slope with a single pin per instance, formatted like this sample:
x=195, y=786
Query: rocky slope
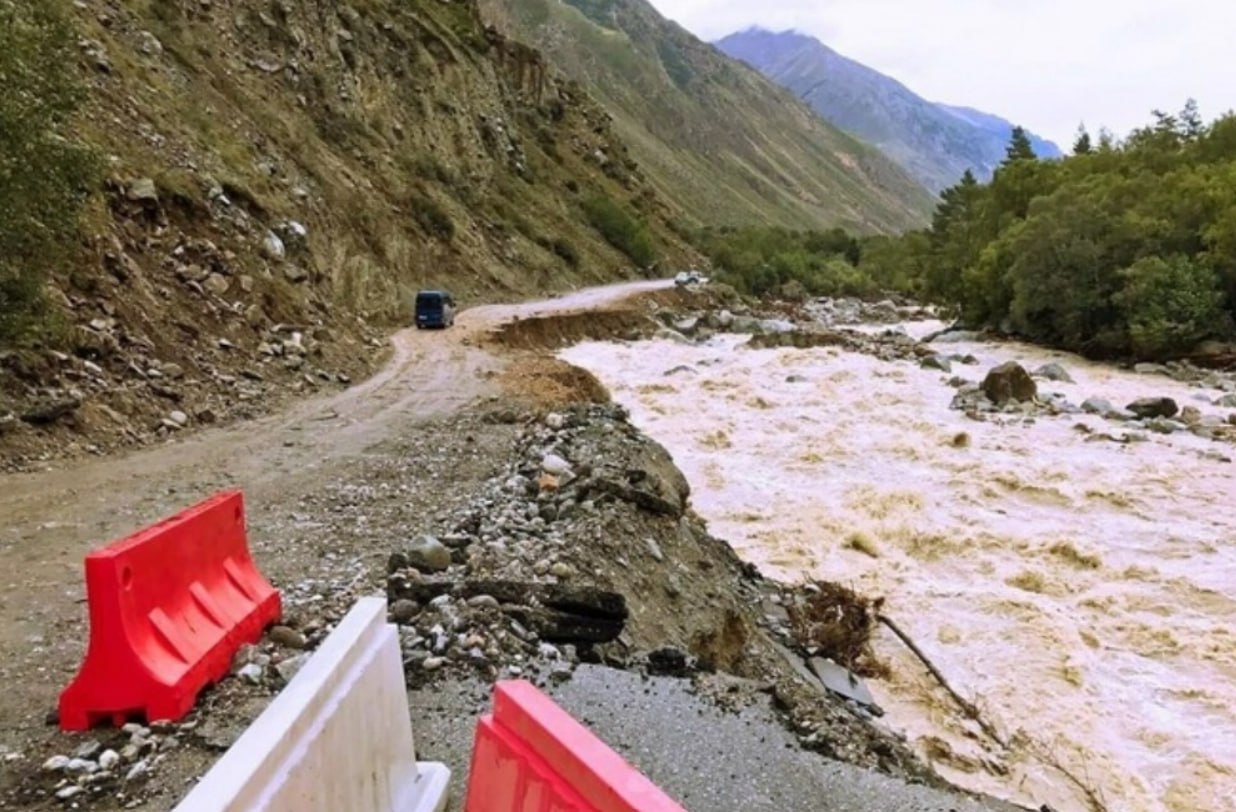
x=280, y=177
x=935, y=143
x=717, y=138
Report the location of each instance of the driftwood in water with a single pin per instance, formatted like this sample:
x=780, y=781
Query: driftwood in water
x=966, y=705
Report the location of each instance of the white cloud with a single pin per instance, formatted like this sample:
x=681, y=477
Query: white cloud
x=1048, y=64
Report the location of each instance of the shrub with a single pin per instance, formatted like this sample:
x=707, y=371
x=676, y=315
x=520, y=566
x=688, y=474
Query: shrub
x=44, y=177
x=620, y=229
x=1169, y=305
x=565, y=251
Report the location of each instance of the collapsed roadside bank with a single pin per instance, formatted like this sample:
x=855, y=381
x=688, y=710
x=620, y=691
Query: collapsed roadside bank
x=1063, y=559
x=478, y=483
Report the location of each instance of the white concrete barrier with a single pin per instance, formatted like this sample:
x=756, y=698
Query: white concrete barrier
x=338, y=738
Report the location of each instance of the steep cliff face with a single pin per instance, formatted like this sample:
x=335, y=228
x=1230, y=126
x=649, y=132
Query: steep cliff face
x=281, y=175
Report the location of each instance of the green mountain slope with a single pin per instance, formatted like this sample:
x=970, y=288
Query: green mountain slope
x=935, y=143
x=713, y=135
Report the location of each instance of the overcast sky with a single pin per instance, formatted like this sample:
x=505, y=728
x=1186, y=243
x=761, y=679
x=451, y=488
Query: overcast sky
x=1046, y=64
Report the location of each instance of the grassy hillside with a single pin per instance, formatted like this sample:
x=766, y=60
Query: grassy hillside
x=271, y=168
x=715, y=137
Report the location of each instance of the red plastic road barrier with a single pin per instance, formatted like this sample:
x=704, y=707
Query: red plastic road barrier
x=531, y=756
x=169, y=607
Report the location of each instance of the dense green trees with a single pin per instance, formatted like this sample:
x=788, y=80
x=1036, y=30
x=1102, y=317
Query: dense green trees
x=43, y=176
x=1123, y=249
x=1127, y=248
x=788, y=263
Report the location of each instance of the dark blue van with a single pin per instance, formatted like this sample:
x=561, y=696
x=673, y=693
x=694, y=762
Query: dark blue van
x=434, y=308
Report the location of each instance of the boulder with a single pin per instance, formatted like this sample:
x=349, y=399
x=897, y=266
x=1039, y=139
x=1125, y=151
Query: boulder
x=273, y=247
x=1153, y=407
x=1053, y=372
x=952, y=337
x=1009, y=382
x=428, y=554
x=217, y=284
x=1097, y=406
x=651, y=481
x=143, y=190
x=553, y=464
x=936, y=362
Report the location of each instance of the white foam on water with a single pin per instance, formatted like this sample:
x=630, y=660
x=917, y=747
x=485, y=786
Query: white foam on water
x=1081, y=593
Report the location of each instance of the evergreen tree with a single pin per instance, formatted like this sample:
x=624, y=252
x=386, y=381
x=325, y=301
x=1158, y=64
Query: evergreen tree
x=1019, y=148
x=1191, y=126
x=1081, y=145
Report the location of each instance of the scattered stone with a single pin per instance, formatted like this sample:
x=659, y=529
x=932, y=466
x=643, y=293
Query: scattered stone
x=109, y=759
x=936, y=362
x=287, y=637
x=1228, y=401
x=1053, y=372
x=273, y=247
x=433, y=663
x=553, y=464
x=143, y=190
x=296, y=274
x=1097, y=406
x=217, y=284
x=428, y=554
x=179, y=418
x=1009, y=382
x=88, y=749
x=81, y=765
x=289, y=668
x=56, y=764
x=402, y=611
x=252, y=673
x=669, y=661
x=69, y=792
x=51, y=412
x=138, y=770
x=149, y=44
x=561, y=569
x=1153, y=407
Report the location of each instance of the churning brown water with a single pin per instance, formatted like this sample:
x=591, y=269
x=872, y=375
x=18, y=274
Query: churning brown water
x=1082, y=593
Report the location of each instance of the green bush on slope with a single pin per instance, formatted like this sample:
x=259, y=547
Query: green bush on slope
x=44, y=177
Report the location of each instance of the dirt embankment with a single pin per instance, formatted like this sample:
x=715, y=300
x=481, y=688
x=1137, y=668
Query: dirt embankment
x=471, y=519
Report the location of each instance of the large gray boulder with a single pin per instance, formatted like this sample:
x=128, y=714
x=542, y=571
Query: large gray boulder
x=1153, y=407
x=428, y=554
x=1009, y=382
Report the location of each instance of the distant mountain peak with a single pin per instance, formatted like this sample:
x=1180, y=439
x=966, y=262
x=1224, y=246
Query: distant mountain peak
x=936, y=143
x=718, y=139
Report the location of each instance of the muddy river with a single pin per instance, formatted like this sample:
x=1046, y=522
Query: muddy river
x=1081, y=592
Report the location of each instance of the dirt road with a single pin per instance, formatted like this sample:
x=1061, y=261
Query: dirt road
x=52, y=518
